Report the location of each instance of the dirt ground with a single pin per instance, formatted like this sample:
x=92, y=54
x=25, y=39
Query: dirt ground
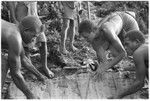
x=76, y=82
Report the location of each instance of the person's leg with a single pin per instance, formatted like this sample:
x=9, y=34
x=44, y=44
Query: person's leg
x=71, y=34
x=14, y=64
x=41, y=42
x=32, y=8
x=4, y=70
x=64, y=36
x=43, y=53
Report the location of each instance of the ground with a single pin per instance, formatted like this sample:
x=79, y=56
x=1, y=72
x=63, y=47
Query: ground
x=74, y=81
x=73, y=76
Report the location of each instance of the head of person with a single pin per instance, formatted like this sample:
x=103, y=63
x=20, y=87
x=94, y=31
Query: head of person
x=87, y=29
x=30, y=27
x=133, y=40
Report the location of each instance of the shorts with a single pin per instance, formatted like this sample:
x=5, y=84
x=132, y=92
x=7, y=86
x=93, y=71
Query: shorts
x=68, y=10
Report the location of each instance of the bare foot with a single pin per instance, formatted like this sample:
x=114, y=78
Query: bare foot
x=73, y=48
x=41, y=78
x=48, y=73
x=64, y=51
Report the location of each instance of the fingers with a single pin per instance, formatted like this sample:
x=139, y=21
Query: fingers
x=42, y=80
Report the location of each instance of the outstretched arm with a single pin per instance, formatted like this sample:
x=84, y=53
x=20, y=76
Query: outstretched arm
x=28, y=65
x=116, y=47
x=43, y=53
x=14, y=64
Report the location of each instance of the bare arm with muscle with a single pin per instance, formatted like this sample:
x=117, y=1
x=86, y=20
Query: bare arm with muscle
x=14, y=61
x=28, y=65
x=116, y=48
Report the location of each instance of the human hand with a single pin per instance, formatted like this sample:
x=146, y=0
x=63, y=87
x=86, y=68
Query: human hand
x=41, y=79
x=99, y=75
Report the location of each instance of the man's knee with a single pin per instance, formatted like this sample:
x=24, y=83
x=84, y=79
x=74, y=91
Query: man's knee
x=4, y=68
x=65, y=23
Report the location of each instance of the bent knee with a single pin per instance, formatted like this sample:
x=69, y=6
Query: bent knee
x=65, y=23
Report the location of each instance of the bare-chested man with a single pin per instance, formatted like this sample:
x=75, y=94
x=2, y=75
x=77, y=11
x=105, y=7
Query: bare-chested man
x=108, y=35
x=12, y=37
x=135, y=46
x=19, y=10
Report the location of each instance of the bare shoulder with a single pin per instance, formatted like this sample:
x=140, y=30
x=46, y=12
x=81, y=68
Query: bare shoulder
x=8, y=28
x=141, y=52
x=11, y=36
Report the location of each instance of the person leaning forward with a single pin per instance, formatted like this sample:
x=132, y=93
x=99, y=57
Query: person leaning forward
x=19, y=10
x=12, y=37
x=108, y=35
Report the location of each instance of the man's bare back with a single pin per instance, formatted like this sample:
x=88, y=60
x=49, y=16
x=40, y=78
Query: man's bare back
x=108, y=35
x=12, y=41
x=7, y=30
x=18, y=11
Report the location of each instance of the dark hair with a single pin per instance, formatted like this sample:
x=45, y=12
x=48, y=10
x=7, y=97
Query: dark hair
x=86, y=26
x=135, y=35
x=30, y=23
